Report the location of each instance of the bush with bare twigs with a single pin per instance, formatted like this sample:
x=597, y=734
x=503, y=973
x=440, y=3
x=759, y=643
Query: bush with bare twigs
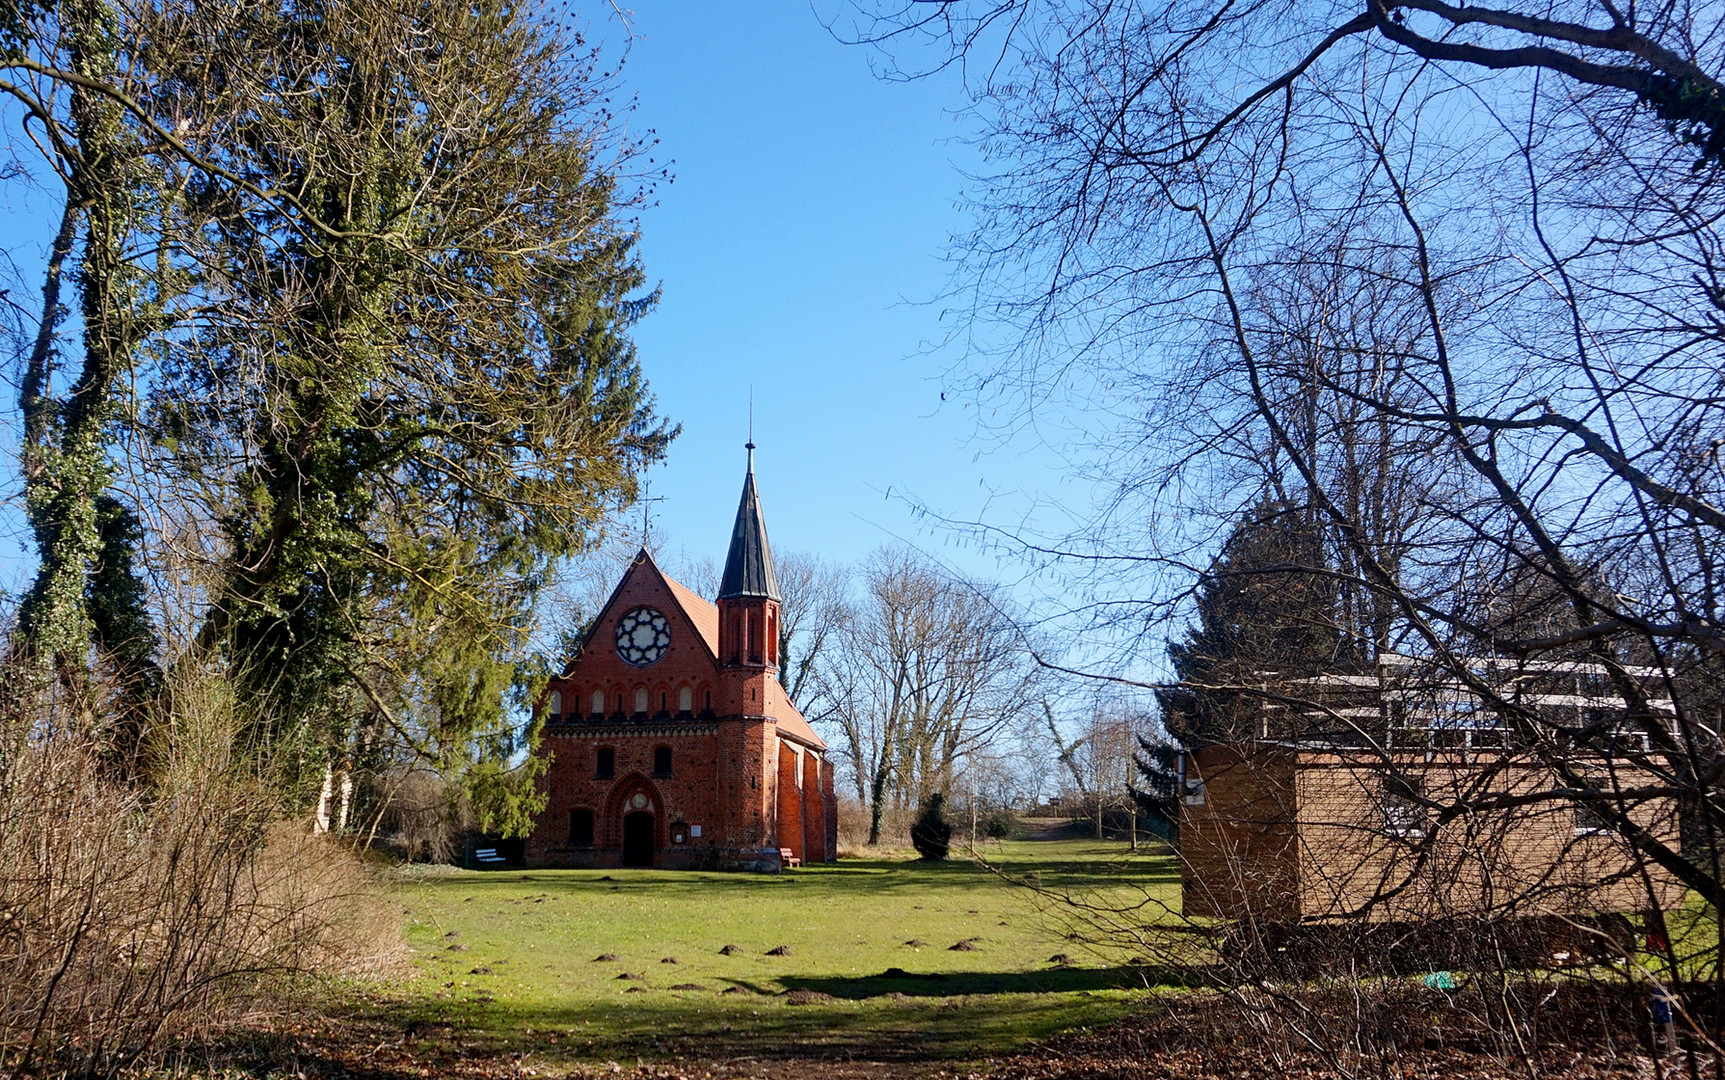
x=131, y=914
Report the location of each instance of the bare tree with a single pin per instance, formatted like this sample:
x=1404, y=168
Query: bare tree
x=815, y=611
x=1444, y=279
x=927, y=671
x=1099, y=760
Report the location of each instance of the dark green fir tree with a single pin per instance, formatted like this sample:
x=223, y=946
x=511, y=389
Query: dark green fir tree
x=1266, y=614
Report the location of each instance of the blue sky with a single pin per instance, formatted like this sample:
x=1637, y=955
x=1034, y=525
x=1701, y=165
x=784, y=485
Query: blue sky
x=801, y=249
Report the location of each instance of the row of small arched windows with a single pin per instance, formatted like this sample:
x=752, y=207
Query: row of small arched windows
x=643, y=701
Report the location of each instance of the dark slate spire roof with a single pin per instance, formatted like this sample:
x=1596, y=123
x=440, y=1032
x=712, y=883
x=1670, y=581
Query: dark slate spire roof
x=749, y=564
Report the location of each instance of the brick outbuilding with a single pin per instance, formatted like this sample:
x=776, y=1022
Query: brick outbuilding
x=671, y=742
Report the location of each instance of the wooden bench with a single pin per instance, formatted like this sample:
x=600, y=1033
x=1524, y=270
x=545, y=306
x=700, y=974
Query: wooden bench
x=788, y=858
x=488, y=856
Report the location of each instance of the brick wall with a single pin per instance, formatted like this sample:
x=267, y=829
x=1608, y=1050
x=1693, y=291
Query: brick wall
x=728, y=765
x=790, y=808
x=1308, y=834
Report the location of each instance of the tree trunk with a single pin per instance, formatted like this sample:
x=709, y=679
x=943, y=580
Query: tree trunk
x=67, y=469
x=877, y=796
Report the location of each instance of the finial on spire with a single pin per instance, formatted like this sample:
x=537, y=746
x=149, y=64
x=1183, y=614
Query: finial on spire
x=750, y=445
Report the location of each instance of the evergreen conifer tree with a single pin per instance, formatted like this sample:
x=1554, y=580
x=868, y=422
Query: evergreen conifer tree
x=1157, y=793
x=931, y=835
x=1265, y=612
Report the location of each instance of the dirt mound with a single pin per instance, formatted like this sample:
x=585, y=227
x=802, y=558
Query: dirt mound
x=807, y=997
x=779, y=950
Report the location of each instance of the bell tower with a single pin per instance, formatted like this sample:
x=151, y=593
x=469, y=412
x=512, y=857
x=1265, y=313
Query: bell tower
x=749, y=691
x=749, y=592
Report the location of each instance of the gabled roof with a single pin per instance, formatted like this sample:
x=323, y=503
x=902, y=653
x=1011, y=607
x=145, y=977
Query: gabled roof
x=699, y=609
x=749, y=563
x=702, y=615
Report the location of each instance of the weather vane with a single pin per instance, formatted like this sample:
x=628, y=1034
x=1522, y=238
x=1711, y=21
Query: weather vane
x=647, y=501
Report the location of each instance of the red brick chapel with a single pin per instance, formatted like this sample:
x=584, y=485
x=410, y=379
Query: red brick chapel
x=671, y=742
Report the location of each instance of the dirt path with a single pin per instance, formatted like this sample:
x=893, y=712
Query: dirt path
x=1053, y=829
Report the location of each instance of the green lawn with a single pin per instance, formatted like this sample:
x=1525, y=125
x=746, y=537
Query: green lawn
x=509, y=958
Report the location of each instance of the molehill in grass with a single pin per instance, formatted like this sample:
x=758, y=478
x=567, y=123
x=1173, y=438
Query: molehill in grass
x=931, y=835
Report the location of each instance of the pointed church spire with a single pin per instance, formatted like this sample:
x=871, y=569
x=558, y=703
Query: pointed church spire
x=749, y=563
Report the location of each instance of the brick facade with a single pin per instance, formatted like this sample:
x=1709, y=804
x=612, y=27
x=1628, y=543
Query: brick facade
x=710, y=765
x=1292, y=833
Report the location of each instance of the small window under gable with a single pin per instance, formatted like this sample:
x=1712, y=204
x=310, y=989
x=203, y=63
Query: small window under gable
x=685, y=699
x=641, y=699
x=1190, y=783
x=599, y=701
x=554, y=705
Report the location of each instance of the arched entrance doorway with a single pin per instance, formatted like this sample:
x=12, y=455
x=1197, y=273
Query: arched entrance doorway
x=638, y=838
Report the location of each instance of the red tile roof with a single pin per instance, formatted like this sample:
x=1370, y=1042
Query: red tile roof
x=700, y=611
x=793, y=724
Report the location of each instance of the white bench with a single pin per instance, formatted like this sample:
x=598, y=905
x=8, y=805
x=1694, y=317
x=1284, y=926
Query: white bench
x=488, y=856
x=788, y=858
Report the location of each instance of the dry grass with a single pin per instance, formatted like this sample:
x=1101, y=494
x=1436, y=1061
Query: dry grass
x=132, y=912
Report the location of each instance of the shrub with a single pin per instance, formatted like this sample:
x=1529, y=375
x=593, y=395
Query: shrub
x=931, y=835
x=133, y=914
x=1002, y=825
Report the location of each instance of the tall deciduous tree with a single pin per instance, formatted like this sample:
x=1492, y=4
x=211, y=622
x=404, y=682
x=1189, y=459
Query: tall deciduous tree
x=409, y=406
x=68, y=65
x=925, y=672
x=814, y=614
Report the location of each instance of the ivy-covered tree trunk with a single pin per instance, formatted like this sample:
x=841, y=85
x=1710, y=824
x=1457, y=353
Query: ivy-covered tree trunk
x=66, y=464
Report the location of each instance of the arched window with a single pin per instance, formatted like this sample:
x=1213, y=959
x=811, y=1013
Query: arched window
x=554, y=705
x=598, y=701
x=640, y=699
x=685, y=699
x=662, y=761
x=772, y=638
x=663, y=703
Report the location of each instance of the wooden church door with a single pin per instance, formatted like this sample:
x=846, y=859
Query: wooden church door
x=638, y=838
